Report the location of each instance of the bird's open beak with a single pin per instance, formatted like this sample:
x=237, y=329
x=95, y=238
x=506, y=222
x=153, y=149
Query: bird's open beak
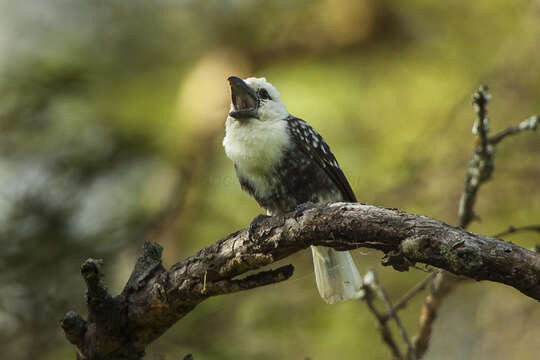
x=244, y=99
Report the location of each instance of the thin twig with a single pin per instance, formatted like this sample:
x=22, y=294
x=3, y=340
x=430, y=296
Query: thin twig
x=514, y=229
x=402, y=303
x=385, y=331
x=393, y=314
x=481, y=166
x=481, y=127
x=528, y=124
x=386, y=334
x=440, y=288
x=370, y=285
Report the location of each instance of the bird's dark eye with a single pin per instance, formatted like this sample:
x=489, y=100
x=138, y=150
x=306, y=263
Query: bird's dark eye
x=263, y=94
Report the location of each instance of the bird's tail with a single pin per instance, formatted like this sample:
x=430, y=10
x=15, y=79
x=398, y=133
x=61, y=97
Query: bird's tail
x=336, y=275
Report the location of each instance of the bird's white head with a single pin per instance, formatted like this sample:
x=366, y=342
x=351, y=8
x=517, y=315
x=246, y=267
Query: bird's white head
x=256, y=133
x=255, y=98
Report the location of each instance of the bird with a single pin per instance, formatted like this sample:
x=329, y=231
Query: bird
x=283, y=163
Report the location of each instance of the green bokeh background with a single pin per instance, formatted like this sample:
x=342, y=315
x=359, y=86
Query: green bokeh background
x=111, y=120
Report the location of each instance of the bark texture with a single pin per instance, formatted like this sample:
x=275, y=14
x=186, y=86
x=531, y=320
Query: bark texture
x=155, y=298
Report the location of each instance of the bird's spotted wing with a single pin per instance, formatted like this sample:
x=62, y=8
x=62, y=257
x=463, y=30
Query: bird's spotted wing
x=314, y=146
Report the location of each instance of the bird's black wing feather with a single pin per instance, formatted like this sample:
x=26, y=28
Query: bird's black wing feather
x=313, y=145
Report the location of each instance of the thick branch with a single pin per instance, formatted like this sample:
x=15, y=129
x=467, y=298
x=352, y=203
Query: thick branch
x=405, y=238
x=156, y=298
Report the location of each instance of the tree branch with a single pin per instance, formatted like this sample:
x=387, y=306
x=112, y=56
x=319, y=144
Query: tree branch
x=440, y=287
x=481, y=166
x=515, y=229
x=155, y=298
x=371, y=281
x=480, y=170
x=402, y=303
x=384, y=329
x=528, y=124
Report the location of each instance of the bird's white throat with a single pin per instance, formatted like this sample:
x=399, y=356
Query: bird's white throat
x=255, y=146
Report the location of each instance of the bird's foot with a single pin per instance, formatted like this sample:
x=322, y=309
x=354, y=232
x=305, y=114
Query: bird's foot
x=255, y=224
x=299, y=210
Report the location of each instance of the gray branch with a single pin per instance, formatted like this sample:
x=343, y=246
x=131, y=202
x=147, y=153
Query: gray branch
x=480, y=171
x=155, y=298
x=371, y=282
x=402, y=303
x=384, y=329
x=481, y=166
x=528, y=124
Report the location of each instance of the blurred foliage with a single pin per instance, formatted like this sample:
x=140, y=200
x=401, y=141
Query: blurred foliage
x=112, y=115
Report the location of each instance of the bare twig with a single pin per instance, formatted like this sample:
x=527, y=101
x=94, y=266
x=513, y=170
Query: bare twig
x=528, y=124
x=481, y=127
x=393, y=314
x=515, y=229
x=440, y=288
x=481, y=166
x=480, y=171
x=402, y=303
x=386, y=334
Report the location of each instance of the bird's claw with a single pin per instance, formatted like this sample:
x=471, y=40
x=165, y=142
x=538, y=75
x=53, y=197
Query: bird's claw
x=254, y=224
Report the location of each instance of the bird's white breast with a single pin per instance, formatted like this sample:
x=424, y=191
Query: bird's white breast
x=256, y=147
